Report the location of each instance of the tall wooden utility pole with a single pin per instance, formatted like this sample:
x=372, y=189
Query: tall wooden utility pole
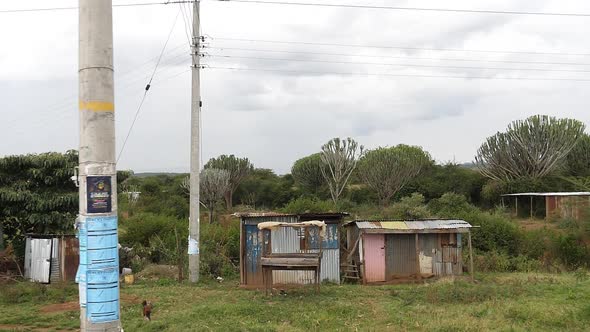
x=98, y=273
x=193, y=240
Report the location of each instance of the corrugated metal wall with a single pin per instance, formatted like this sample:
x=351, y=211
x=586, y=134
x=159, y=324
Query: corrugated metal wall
x=55, y=274
x=253, y=245
x=40, y=260
x=428, y=243
x=287, y=240
x=70, y=258
x=400, y=256
x=28, y=258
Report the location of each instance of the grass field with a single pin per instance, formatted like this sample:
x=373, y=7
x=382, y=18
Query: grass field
x=516, y=302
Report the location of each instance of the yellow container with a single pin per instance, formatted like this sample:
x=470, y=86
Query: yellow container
x=129, y=279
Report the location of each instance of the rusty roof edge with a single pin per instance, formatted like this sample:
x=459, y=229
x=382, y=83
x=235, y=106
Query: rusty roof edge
x=280, y=214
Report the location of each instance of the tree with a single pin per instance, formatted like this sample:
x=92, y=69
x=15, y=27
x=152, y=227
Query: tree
x=387, y=170
x=262, y=188
x=339, y=158
x=529, y=149
x=37, y=194
x=307, y=173
x=238, y=169
x=577, y=162
x=214, y=183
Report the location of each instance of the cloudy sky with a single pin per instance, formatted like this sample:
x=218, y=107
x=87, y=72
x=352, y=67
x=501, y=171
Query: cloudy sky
x=321, y=81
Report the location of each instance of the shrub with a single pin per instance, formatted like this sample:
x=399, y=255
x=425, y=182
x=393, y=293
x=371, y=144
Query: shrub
x=451, y=205
x=220, y=249
x=571, y=251
x=495, y=232
x=411, y=207
x=308, y=204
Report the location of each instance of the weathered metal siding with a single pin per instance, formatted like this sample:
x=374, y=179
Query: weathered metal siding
x=40, y=260
x=448, y=257
x=374, y=246
x=28, y=258
x=55, y=274
x=287, y=240
x=252, y=255
x=253, y=246
x=428, y=244
x=400, y=255
x=70, y=258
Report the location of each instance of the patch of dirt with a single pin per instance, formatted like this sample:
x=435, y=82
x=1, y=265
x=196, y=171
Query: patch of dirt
x=60, y=307
x=130, y=299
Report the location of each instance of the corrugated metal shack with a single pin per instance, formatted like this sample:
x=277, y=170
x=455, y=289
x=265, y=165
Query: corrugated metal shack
x=389, y=250
x=288, y=240
x=51, y=258
x=562, y=204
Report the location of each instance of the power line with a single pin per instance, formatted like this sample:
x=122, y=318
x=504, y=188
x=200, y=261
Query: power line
x=222, y=48
x=450, y=10
x=401, y=65
x=398, y=75
x=147, y=88
x=398, y=47
x=25, y=10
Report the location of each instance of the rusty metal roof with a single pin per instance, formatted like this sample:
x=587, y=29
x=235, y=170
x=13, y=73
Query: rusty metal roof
x=320, y=215
x=261, y=214
x=410, y=225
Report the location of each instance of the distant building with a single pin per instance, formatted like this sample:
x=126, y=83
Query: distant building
x=572, y=205
x=390, y=250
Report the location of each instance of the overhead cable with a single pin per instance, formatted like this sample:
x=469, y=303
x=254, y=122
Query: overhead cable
x=398, y=47
x=223, y=48
x=398, y=75
x=450, y=10
x=400, y=64
x=147, y=87
x=24, y=10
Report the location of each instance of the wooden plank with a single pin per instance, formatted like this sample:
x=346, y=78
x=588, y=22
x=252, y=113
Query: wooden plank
x=417, y=257
x=470, y=257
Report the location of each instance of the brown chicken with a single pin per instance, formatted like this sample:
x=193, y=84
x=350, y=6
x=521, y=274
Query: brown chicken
x=147, y=310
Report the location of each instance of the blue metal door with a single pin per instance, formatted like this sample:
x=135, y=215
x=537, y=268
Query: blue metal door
x=254, y=242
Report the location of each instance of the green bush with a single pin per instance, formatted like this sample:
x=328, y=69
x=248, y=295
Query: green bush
x=571, y=251
x=451, y=205
x=495, y=232
x=411, y=207
x=494, y=261
x=308, y=204
x=220, y=249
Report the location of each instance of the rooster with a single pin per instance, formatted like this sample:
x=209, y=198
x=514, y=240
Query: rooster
x=147, y=310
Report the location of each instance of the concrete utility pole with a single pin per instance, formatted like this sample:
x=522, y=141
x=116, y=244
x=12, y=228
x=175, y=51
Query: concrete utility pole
x=98, y=273
x=194, y=221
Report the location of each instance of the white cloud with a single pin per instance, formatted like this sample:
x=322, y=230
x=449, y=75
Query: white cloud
x=276, y=117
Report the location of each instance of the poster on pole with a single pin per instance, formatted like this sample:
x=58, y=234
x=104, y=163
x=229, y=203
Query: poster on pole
x=98, y=194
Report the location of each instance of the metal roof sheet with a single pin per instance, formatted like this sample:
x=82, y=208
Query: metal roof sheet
x=576, y=193
x=307, y=215
x=413, y=224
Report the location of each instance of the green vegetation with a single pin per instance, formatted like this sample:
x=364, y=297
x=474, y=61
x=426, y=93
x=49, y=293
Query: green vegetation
x=519, y=302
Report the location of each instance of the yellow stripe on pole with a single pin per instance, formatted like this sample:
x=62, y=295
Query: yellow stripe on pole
x=97, y=106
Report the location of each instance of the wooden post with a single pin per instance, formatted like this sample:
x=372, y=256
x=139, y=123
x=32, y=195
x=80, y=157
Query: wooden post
x=516, y=197
x=470, y=256
x=418, y=274
x=531, y=207
x=502, y=200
